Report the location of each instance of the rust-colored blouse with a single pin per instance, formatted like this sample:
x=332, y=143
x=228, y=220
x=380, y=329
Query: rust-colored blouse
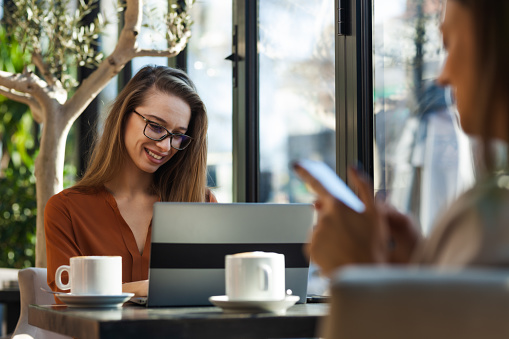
x=78, y=224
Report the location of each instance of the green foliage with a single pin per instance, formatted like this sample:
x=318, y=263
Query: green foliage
x=47, y=28
x=18, y=146
x=17, y=218
x=178, y=21
x=173, y=24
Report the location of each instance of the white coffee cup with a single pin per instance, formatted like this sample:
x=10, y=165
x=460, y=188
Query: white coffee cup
x=255, y=276
x=94, y=275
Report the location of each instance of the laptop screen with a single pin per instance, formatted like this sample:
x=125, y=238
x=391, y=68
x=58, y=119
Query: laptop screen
x=190, y=242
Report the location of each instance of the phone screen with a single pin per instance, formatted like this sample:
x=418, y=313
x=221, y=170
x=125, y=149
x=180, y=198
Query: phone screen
x=332, y=183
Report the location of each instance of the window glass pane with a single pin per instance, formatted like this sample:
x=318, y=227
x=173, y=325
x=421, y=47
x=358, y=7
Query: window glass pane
x=152, y=36
x=424, y=158
x=108, y=42
x=296, y=69
x=210, y=44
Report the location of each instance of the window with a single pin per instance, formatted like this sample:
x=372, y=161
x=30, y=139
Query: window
x=423, y=157
x=294, y=72
x=210, y=44
x=296, y=93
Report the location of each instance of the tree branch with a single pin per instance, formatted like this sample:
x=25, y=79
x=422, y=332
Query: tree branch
x=170, y=52
x=24, y=98
x=37, y=114
x=39, y=63
x=15, y=81
x=109, y=67
x=31, y=84
x=156, y=53
x=125, y=50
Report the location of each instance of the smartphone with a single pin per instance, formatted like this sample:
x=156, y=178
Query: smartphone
x=332, y=183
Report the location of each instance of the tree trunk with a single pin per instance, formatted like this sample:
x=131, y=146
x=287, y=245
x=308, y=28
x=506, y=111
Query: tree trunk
x=49, y=169
x=50, y=105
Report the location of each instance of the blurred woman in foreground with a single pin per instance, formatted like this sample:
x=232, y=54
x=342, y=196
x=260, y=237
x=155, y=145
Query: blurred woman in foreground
x=474, y=231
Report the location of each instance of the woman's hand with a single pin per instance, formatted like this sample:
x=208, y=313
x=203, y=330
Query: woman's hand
x=139, y=288
x=404, y=234
x=343, y=236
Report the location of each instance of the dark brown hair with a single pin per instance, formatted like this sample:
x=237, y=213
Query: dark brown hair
x=183, y=177
x=491, y=19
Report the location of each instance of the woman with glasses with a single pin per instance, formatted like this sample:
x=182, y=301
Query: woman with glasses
x=474, y=231
x=153, y=148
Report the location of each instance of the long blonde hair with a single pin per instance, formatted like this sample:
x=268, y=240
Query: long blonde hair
x=183, y=177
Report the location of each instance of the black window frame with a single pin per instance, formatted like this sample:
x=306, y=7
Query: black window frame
x=354, y=93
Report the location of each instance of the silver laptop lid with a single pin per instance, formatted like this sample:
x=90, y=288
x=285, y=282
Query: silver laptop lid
x=190, y=241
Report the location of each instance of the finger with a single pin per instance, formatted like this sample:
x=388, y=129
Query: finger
x=364, y=186
x=316, y=186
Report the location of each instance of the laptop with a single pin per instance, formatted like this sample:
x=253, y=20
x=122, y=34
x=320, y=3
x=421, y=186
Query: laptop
x=190, y=242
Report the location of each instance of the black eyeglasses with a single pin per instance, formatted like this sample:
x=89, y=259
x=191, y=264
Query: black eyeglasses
x=156, y=132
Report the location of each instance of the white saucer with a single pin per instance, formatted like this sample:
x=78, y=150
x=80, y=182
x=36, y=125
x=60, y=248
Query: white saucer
x=234, y=306
x=88, y=300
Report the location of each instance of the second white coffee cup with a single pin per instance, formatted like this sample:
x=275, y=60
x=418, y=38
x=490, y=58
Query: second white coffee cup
x=94, y=275
x=255, y=276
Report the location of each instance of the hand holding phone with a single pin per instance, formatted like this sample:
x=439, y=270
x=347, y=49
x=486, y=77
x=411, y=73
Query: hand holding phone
x=322, y=178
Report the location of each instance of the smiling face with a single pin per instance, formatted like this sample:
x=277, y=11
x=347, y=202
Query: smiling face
x=169, y=111
x=460, y=68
